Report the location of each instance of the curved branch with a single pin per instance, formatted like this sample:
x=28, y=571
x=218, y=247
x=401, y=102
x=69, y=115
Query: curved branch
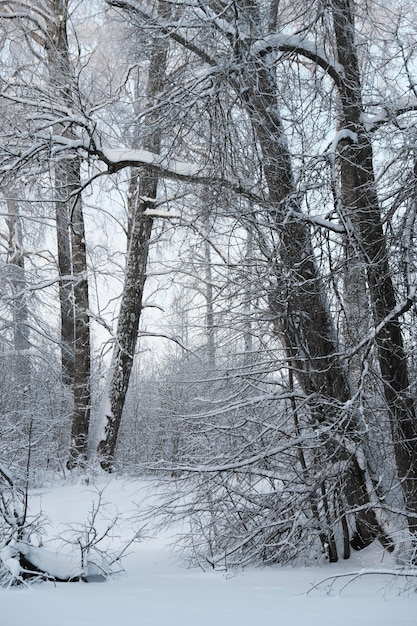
x=301, y=47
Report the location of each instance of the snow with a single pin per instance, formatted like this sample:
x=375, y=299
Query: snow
x=105, y=411
x=163, y=214
x=343, y=133
x=52, y=562
x=157, y=591
x=144, y=157
x=309, y=49
x=331, y=145
x=7, y=555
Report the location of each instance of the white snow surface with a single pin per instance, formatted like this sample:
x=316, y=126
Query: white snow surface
x=157, y=591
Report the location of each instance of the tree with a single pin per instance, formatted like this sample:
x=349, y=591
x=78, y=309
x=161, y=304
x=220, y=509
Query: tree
x=49, y=33
x=69, y=211
x=298, y=302
x=16, y=277
x=360, y=202
x=141, y=197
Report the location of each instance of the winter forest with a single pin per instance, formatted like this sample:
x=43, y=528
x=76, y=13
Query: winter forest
x=208, y=269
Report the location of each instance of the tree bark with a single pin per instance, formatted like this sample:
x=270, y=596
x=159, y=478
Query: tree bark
x=142, y=193
x=129, y=317
x=66, y=291
x=17, y=277
x=74, y=299
x=66, y=179
x=360, y=201
x=82, y=366
x=298, y=303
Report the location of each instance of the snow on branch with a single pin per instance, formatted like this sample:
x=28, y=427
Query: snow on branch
x=89, y=145
x=233, y=465
x=82, y=552
x=389, y=114
x=341, y=135
x=302, y=47
x=330, y=581
x=120, y=158
x=397, y=311
x=6, y=475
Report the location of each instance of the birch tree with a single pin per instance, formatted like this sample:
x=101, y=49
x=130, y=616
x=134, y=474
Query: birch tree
x=17, y=279
x=142, y=196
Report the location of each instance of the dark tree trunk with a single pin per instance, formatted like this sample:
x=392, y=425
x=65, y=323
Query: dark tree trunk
x=66, y=292
x=74, y=300
x=82, y=396
x=129, y=317
x=360, y=201
x=60, y=77
x=298, y=303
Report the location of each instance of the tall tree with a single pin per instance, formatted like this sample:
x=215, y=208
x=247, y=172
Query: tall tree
x=360, y=201
x=17, y=278
x=298, y=301
x=70, y=215
x=45, y=25
x=66, y=178
x=141, y=197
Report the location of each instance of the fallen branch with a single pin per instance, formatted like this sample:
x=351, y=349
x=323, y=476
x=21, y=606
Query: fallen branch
x=330, y=581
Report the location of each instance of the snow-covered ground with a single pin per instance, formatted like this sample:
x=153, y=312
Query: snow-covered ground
x=157, y=591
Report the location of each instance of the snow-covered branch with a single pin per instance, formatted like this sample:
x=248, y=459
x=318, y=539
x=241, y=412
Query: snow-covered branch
x=302, y=47
x=265, y=454
x=400, y=309
x=389, y=115
x=329, y=581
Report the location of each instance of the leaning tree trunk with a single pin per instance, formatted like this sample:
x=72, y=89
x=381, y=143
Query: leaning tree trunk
x=360, y=201
x=129, y=318
x=299, y=305
x=142, y=193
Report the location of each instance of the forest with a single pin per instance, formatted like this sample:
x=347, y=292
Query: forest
x=208, y=268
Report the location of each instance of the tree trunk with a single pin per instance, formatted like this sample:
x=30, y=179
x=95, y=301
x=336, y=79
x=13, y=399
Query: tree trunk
x=74, y=299
x=298, y=303
x=360, y=201
x=82, y=396
x=59, y=73
x=142, y=192
x=16, y=274
x=129, y=317
x=248, y=357
x=66, y=291
x=209, y=298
